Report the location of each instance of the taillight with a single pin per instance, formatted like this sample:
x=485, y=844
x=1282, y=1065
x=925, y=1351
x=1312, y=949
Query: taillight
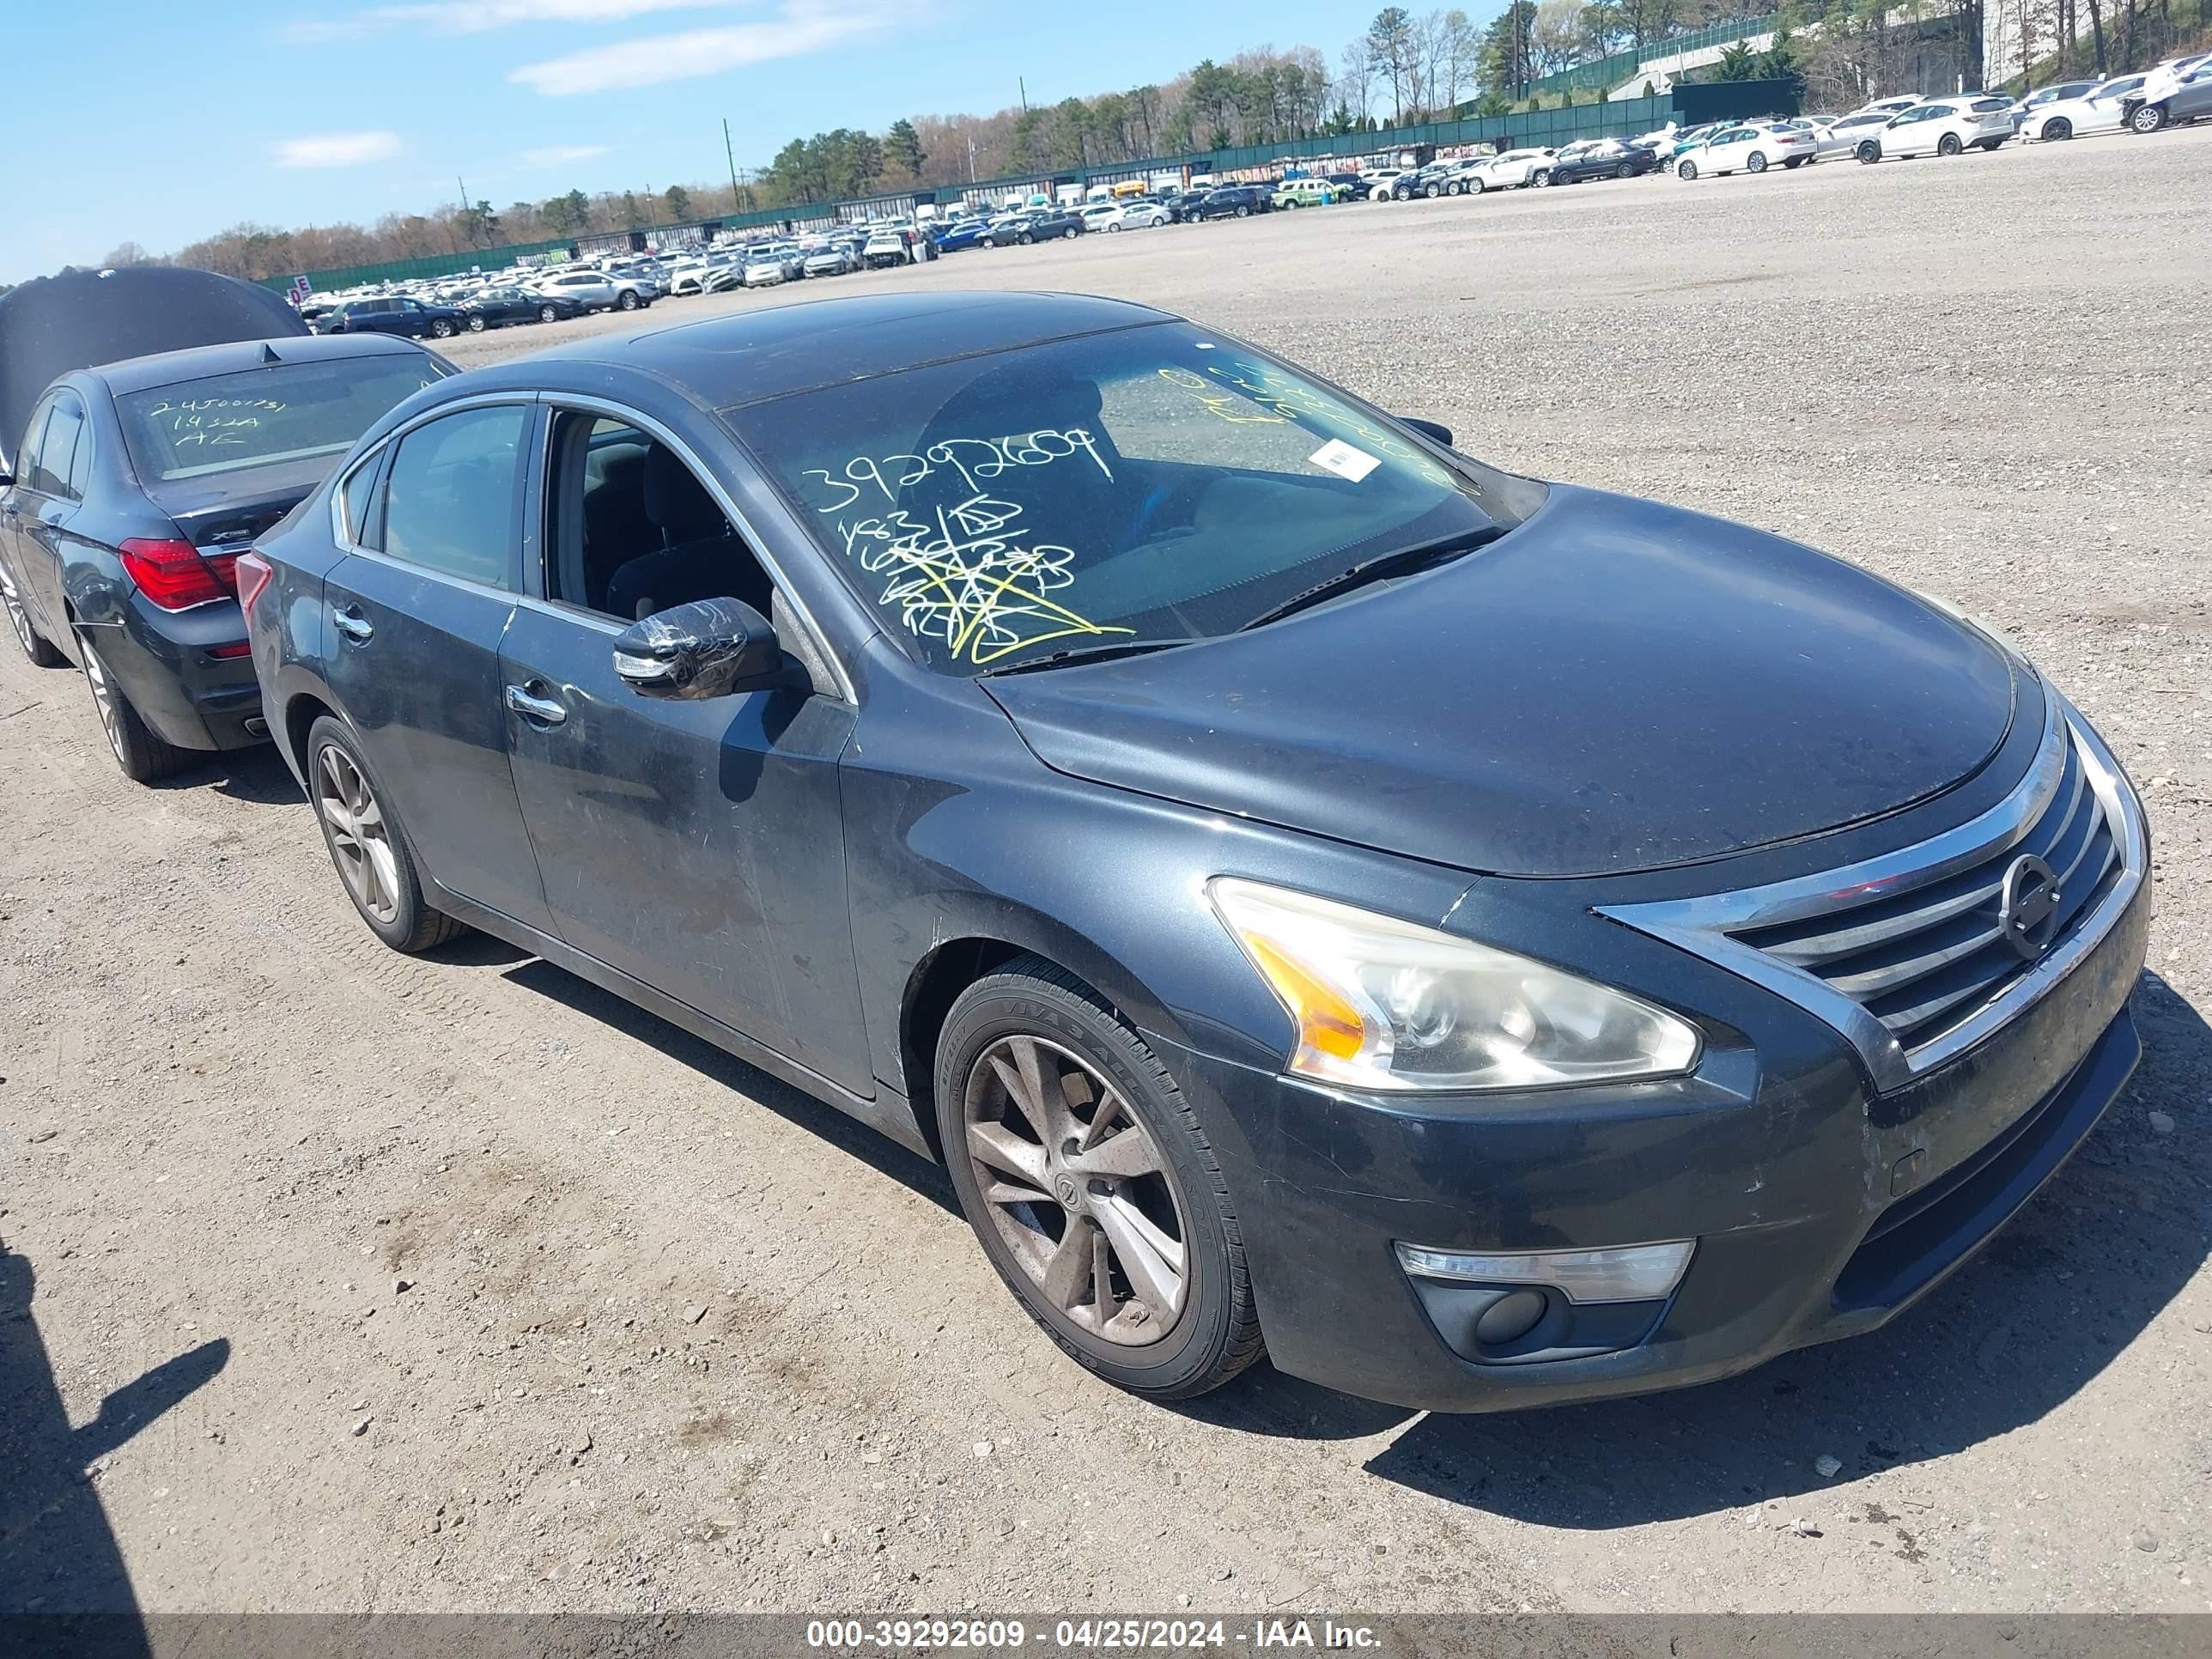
x=250, y=573
x=174, y=576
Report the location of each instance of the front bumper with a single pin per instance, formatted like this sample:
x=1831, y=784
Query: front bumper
x=163, y=661
x=1819, y=1210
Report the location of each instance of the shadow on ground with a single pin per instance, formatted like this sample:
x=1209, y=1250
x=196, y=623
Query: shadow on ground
x=58, y=1557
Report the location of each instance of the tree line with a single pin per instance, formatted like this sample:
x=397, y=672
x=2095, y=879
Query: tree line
x=1402, y=67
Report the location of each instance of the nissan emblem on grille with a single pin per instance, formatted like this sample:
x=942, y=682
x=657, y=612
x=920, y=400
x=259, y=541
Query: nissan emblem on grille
x=2029, y=909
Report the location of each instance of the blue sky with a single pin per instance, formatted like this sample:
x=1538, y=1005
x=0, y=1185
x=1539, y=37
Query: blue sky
x=159, y=122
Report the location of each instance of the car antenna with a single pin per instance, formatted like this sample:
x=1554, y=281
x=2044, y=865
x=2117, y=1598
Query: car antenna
x=269, y=353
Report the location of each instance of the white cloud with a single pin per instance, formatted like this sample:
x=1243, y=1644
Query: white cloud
x=481, y=16
x=802, y=27
x=336, y=149
x=555, y=155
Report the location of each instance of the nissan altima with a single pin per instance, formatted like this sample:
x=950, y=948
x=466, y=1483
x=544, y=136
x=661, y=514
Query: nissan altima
x=1485, y=942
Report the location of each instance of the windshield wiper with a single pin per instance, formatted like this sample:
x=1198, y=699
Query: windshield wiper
x=1403, y=562
x=1082, y=653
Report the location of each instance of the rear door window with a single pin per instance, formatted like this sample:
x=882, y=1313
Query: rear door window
x=450, y=500
x=57, y=448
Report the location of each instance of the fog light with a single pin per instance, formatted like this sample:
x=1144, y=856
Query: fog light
x=1629, y=1273
x=1510, y=1318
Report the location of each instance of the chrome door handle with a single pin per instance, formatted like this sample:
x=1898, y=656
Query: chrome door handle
x=536, y=709
x=349, y=621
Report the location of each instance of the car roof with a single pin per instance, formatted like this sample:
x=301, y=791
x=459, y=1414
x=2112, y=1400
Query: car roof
x=751, y=356
x=202, y=362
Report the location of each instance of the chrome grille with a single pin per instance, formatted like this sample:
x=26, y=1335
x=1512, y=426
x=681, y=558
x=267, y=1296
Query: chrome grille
x=1923, y=959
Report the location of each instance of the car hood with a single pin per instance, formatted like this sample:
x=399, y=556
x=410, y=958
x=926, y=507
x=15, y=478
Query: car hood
x=1615, y=685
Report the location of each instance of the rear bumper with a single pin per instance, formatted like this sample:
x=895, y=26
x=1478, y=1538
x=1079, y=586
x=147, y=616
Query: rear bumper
x=161, y=660
x=1818, y=1211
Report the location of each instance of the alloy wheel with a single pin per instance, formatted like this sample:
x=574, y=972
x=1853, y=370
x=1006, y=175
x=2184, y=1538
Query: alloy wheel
x=2060, y=130
x=546, y=313
x=106, y=699
x=1758, y=162
x=475, y=322
x=18, y=619
x=359, y=835
x=1079, y=1193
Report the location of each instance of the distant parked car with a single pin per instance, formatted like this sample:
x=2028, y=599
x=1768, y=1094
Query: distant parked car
x=595, y=291
x=400, y=314
x=496, y=307
x=1892, y=106
x=764, y=269
x=1035, y=225
x=1229, y=202
x=834, y=260
x=1513, y=169
x=138, y=484
x=1607, y=159
x=1751, y=148
x=1304, y=192
x=2152, y=106
x=2101, y=109
x=1350, y=186
x=1941, y=126
x=2058, y=91
x=961, y=233
x=1427, y=181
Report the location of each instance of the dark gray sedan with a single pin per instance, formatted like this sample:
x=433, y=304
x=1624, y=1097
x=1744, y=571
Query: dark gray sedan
x=1507, y=943
x=136, y=486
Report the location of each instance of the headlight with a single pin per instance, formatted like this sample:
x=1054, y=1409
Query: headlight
x=1383, y=1004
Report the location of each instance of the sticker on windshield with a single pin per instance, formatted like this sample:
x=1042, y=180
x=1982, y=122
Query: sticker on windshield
x=1341, y=459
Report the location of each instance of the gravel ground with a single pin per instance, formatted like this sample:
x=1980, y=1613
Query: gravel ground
x=454, y=1284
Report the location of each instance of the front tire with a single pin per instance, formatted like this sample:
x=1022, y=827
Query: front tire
x=2058, y=131
x=1540, y=180
x=1243, y=212
x=1685, y=170
x=626, y=300
x=2148, y=119
x=1090, y=1185
x=441, y=330
x=1795, y=162
x=547, y=314
x=369, y=851
x=143, y=756
x=475, y=322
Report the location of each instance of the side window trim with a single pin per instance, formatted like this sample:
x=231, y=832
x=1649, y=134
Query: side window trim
x=533, y=592
x=341, y=533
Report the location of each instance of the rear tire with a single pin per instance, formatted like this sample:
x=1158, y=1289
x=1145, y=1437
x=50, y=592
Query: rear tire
x=368, y=846
x=1034, y=1028
x=1795, y=162
x=35, y=645
x=1757, y=162
x=1869, y=152
x=143, y=756
x=1949, y=144
x=1623, y=170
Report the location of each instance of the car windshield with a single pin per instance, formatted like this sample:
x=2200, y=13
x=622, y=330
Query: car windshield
x=282, y=412
x=1151, y=484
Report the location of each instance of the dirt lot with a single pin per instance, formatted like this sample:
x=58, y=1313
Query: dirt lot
x=454, y=1284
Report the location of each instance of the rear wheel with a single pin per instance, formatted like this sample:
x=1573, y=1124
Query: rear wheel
x=1948, y=145
x=1795, y=162
x=1429, y=192
x=2149, y=118
x=366, y=844
x=35, y=646
x=1992, y=145
x=1090, y=1185
x=1623, y=170
x=144, y=757
x=1757, y=163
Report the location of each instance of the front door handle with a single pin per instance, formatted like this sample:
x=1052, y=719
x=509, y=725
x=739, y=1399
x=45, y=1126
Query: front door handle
x=349, y=621
x=536, y=708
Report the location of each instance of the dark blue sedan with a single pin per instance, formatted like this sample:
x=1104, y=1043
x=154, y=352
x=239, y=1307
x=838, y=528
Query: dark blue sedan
x=1490, y=943
x=137, y=486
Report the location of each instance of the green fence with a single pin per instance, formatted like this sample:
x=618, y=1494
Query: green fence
x=1602, y=73
x=1621, y=118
